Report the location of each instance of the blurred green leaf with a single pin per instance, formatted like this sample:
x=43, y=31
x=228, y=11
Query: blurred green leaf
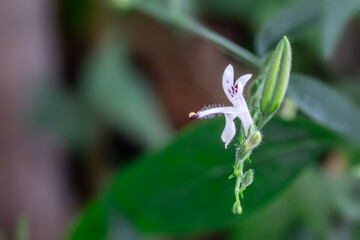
x=92, y=224
x=184, y=187
x=117, y=91
x=289, y=20
x=65, y=115
x=99, y=221
x=250, y=12
x=304, y=206
x=325, y=105
x=22, y=228
x=337, y=13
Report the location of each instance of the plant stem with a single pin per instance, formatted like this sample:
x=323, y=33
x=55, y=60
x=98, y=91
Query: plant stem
x=239, y=171
x=262, y=122
x=224, y=44
x=188, y=24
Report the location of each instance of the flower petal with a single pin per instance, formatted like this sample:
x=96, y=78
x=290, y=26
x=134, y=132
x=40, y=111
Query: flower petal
x=240, y=84
x=229, y=130
x=228, y=81
x=244, y=79
x=246, y=120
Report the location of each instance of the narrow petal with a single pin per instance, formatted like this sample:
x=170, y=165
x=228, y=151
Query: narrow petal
x=228, y=81
x=240, y=84
x=244, y=79
x=229, y=130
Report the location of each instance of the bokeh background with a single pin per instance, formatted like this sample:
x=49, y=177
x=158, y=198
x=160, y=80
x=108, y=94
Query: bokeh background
x=95, y=140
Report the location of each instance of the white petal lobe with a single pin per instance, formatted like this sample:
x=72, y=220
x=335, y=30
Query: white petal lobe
x=244, y=79
x=227, y=82
x=229, y=130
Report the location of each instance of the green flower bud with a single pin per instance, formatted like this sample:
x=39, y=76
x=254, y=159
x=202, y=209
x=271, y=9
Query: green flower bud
x=277, y=78
x=252, y=142
x=237, y=209
x=247, y=178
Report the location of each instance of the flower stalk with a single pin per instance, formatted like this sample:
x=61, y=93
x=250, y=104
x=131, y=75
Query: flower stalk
x=243, y=180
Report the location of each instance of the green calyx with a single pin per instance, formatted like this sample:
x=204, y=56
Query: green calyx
x=252, y=142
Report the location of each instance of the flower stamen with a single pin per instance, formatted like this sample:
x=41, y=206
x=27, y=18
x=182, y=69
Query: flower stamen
x=193, y=116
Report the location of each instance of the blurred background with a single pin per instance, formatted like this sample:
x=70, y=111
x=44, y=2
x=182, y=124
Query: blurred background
x=96, y=142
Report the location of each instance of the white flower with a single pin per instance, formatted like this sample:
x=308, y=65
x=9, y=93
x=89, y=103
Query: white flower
x=239, y=108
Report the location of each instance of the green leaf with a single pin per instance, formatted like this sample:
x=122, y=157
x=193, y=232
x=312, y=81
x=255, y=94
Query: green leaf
x=92, y=224
x=99, y=221
x=232, y=176
x=289, y=20
x=119, y=94
x=247, y=178
x=304, y=205
x=184, y=187
x=325, y=105
x=337, y=14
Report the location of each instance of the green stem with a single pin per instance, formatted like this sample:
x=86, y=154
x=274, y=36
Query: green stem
x=262, y=122
x=195, y=28
x=239, y=171
x=237, y=189
x=224, y=44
